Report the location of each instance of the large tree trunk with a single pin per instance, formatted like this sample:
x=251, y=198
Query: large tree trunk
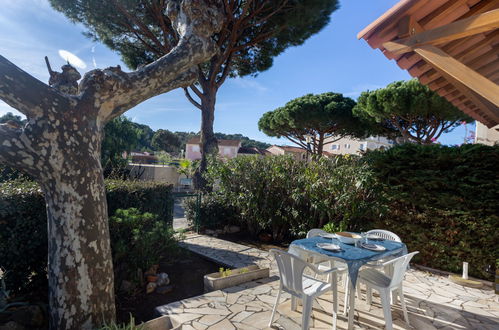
x=60, y=147
x=209, y=143
x=80, y=268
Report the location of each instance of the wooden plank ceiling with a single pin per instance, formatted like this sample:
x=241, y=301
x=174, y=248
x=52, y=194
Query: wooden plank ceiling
x=452, y=46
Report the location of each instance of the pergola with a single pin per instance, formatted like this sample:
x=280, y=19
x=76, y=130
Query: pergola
x=452, y=46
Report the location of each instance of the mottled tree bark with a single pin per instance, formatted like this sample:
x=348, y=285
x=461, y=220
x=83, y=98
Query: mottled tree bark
x=60, y=148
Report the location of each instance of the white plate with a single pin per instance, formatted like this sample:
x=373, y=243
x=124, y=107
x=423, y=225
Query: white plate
x=329, y=246
x=328, y=235
x=373, y=247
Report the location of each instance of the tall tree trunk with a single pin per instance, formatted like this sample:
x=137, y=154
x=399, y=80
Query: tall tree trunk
x=320, y=146
x=60, y=147
x=81, y=283
x=209, y=143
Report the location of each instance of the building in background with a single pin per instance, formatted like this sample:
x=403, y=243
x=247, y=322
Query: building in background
x=250, y=151
x=226, y=148
x=297, y=153
x=485, y=135
x=347, y=145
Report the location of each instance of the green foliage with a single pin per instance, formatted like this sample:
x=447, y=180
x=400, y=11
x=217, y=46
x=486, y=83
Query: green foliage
x=224, y=272
x=9, y=117
x=23, y=224
x=316, y=117
x=442, y=201
x=245, y=141
x=166, y=141
x=127, y=326
x=288, y=197
x=413, y=110
x=262, y=35
x=120, y=136
x=214, y=212
x=138, y=241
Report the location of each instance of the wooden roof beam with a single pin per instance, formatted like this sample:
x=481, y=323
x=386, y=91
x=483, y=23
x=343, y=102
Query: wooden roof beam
x=461, y=73
x=463, y=28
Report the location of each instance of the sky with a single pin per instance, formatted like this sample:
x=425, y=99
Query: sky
x=331, y=61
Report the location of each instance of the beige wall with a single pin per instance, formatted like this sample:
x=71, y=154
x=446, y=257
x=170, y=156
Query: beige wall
x=346, y=146
x=167, y=174
x=485, y=135
x=274, y=150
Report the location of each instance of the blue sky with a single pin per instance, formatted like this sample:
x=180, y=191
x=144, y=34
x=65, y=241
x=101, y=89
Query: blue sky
x=332, y=60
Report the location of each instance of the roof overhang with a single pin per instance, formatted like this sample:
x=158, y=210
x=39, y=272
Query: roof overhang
x=452, y=46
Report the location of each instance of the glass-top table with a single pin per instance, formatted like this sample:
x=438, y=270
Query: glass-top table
x=354, y=257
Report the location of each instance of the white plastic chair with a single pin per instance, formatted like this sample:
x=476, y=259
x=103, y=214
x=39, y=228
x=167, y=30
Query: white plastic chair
x=385, y=285
x=387, y=235
x=384, y=234
x=301, y=286
x=340, y=266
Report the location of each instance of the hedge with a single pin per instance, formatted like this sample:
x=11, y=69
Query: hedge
x=23, y=224
x=442, y=201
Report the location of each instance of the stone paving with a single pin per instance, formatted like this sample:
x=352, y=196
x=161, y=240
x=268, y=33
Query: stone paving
x=433, y=301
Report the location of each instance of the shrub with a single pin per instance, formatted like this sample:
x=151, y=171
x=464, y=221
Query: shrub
x=214, y=213
x=442, y=201
x=287, y=197
x=23, y=224
x=138, y=241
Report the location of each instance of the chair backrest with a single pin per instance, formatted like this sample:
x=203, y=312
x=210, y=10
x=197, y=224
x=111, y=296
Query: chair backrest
x=315, y=232
x=385, y=234
x=400, y=267
x=291, y=270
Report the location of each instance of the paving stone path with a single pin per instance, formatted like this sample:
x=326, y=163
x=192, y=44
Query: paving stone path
x=433, y=301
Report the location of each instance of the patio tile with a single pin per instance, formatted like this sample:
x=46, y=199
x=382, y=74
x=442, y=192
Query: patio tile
x=432, y=301
x=223, y=325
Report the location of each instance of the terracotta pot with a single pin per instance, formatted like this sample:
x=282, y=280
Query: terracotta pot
x=151, y=278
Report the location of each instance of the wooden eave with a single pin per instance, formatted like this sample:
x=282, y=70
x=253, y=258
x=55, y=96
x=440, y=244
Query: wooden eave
x=452, y=46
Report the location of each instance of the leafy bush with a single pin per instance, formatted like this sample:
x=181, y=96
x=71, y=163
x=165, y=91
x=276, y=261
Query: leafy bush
x=287, y=197
x=138, y=241
x=213, y=212
x=442, y=201
x=23, y=224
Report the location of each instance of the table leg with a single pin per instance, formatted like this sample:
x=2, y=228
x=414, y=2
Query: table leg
x=351, y=305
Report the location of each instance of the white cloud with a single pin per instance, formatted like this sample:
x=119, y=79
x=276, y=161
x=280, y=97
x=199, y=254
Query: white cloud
x=72, y=59
x=249, y=84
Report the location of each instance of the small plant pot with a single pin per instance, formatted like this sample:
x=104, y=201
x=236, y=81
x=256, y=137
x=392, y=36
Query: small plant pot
x=151, y=278
x=215, y=281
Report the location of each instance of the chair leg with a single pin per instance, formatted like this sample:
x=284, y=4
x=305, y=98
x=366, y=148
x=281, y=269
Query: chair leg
x=293, y=303
x=359, y=292
x=385, y=302
x=335, y=298
x=307, y=311
x=402, y=303
x=275, y=307
x=369, y=296
x=347, y=286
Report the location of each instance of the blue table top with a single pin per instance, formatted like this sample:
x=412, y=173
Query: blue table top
x=353, y=256
x=350, y=252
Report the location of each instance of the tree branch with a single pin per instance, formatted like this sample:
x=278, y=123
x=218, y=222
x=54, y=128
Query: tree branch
x=16, y=150
x=189, y=97
x=116, y=91
x=25, y=93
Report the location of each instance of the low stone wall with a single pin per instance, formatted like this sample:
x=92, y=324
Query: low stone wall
x=159, y=173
